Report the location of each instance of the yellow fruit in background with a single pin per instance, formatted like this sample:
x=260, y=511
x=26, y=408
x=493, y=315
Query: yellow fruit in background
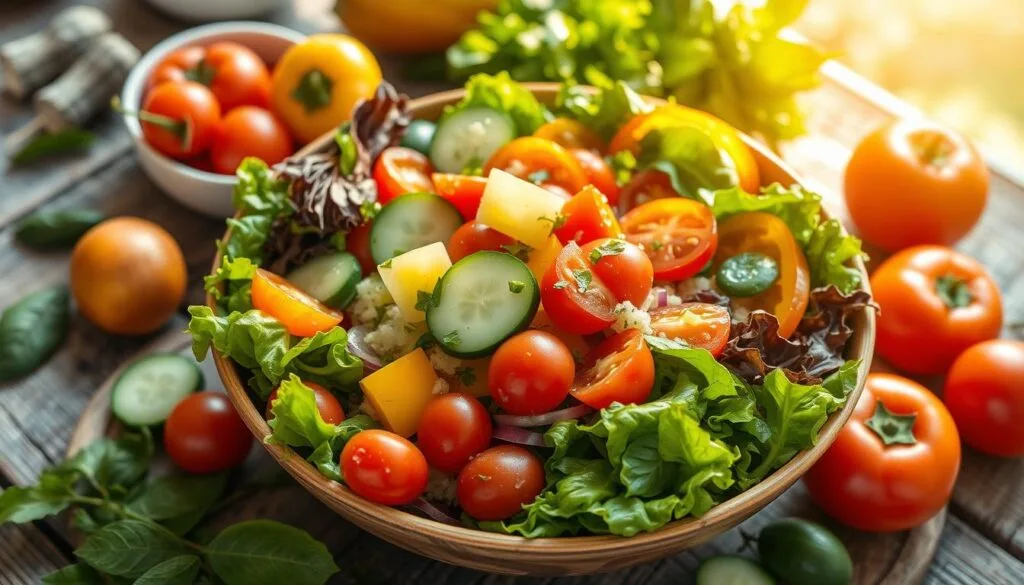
x=318, y=82
x=410, y=26
x=128, y=276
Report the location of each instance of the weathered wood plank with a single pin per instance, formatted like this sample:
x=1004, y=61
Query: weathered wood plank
x=26, y=555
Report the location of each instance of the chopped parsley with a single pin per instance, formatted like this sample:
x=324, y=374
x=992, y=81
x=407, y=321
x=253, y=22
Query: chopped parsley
x=424, y=300
x=386, y=263
x=452, y=339
x=656, y=245
x=426, y=341
x=369, y=209
x=519, y=250
x=609, y=248
x=583, y=279
x=556, y=222
x=466, y=375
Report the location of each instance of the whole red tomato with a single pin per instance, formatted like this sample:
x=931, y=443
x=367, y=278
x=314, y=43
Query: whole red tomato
x=235, y=74
x=893, y=465
x=249, y=131
x=454, y=427
x=204, y=434
x=497, y=482
x=936, y=302
x=180, y=119
x=531, y=373
x=985, y=394
x=384, y=467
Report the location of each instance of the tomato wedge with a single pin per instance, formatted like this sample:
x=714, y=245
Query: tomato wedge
x=620, y=369
x=301, y=314
x=588, y=217
x=540, y=161
x=401, y=170
x=462, y=191
x=599, y=174
x=769, y=235
x=570, y=133
x=698, y=324
x=679, y=235
x=643, y=187
x=575, y=299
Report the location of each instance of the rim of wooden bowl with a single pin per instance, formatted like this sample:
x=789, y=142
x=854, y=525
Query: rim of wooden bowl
x=569, y=554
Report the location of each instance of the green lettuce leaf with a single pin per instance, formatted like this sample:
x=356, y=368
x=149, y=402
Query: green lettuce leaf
x=235, y=276
x=499, y=92
x=690, y=158
x=829, y=254
x=603, y=112
x=259, y=192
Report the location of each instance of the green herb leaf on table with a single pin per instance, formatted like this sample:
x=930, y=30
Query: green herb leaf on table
x=109, y=463
x=55, y=230
x=77, y=574
x=32, y=330
x=171, y=496
x=261, y=552
x=47, y=144
x=181, y=570
x=129, y=548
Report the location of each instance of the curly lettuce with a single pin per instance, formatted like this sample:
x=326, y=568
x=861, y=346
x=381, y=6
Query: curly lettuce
x=499, y=92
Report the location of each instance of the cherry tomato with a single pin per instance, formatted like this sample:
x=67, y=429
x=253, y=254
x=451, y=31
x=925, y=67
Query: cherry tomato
x=204, y=434
x=326, y=403
x=623, y=268
x=986, y=398
x=301, y=314
x=529, y=157
x=587, y=217
x=915, y=169
x=234, y=73
x=462, y=191
x=575, y=299
x=679, y=235
x=599, y=174
x=698, y=324
x=180, y=120
x=893, y=465
x=384, y=467
x=570, y=133
x=620, y=369
x=531, y=373
x=643, y=187
x=401, y=170
x=454, y=427
x=936, y=302
x=766, y=234
x=498, y=482
x=358, y=244
x=474, y=236
x=249, y=131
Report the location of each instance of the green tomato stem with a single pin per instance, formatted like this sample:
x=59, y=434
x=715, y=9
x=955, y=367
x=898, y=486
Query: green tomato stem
x=892, y=429
x=954, y=291
x=313, y=91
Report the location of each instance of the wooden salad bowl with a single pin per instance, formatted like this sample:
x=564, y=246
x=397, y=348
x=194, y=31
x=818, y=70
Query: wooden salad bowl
x=571, y=555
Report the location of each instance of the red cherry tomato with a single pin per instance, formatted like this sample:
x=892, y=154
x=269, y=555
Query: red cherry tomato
x=529, y=157
x=249, y=131
x=620, y=369
x=454, y=427
x=462, y=191
x=575, y=299
x=358, y=244
x=326, y=403
x=531, y=373
x=587, y=217
x=570, y=134
x=204, y=434
x=557, y=190
x=679, y=235
x=180, y=120
x=623, y=268
x=401, y=170
x=698, y=324
x=643, y=187
x=498, y=482
x=234, y=73
x=384, y=467
x=474, y=236
x=599, y=173
x=985, y=395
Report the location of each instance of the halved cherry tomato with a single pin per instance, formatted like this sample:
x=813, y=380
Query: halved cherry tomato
x=570, y=133
x=587, y=217
x=622, y=267
x=233, y=72
x=698, y=324
x=474, y=236
x=180, y=120
x=767, y=234
x=643, y=187
x=358, y=244
x=454, y=427
x=599, y=174
x=530, y=157
x=620, y=369
x=384, y=467
x=462, y=191
x=326, y=403
x=531, y=373
x=725, y=137
x=498, y=482
x=301, y=314
x=401, y=170
x=575, y=299
x=679, y=235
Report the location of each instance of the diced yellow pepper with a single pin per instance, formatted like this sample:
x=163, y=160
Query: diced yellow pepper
x=399, y=392
x=518, y=208
x=540, y=259
x=408, y=274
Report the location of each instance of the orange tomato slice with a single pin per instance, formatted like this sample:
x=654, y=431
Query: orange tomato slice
x=301, y=314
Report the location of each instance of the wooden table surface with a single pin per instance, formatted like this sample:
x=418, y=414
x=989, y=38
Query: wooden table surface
x=982, y=542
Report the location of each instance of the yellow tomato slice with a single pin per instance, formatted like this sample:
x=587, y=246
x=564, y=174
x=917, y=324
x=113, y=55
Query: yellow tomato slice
x=301, y=314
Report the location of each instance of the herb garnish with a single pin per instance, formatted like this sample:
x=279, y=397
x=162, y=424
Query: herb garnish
x=516, y=286
x=609, y=248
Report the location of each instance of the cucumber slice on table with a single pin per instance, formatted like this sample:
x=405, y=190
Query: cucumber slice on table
x=332, y=279
x=468, y=138
x=149, y=389
x=412, y=221
x=482, y=300
x=731, y=570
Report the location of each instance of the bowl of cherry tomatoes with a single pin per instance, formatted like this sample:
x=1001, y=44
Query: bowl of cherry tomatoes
x=199, y=102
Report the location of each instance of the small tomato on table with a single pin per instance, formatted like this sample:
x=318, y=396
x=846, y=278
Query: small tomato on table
x=985, y=394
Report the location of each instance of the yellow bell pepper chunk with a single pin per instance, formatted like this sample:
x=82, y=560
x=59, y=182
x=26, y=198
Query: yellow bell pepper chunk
x=540, y=259
x=399, y=392
x=518, y=208
x=408, y=274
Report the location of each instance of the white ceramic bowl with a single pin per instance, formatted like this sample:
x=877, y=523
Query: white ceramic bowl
x=205, y=192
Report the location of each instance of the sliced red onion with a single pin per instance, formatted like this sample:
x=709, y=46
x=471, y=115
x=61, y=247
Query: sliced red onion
x=519, y=435
x=662, y=298
x=436, y=512
x=545, y=419
x=358, y=347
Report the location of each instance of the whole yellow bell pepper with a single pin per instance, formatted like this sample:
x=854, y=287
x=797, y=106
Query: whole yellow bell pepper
x=410, y=26
x=317, y=83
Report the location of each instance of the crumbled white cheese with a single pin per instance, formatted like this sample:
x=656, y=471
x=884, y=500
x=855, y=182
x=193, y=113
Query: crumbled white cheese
x=688, y=288
x=740, y=314
x=440, y=387
x=443, y=363
x=393, y=336
x=371, y=295
x=628, y=316
x=442, y=487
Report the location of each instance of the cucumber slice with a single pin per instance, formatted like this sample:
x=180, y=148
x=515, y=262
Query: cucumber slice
x=731, y=570
x=412, y=221
x=332, y=279
x=482, y=300
x=468, y=138
x=147, y=392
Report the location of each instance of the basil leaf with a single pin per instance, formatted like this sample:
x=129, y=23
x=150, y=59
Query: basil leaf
x=48, y=230
x=176, y=495
x=114, y=462
x=44, y=145
x=262, y=552
x=31, y=331
x=77, y=574
x=129, y=548
x=693, y=162
x=28, y=504
x=181, y=570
